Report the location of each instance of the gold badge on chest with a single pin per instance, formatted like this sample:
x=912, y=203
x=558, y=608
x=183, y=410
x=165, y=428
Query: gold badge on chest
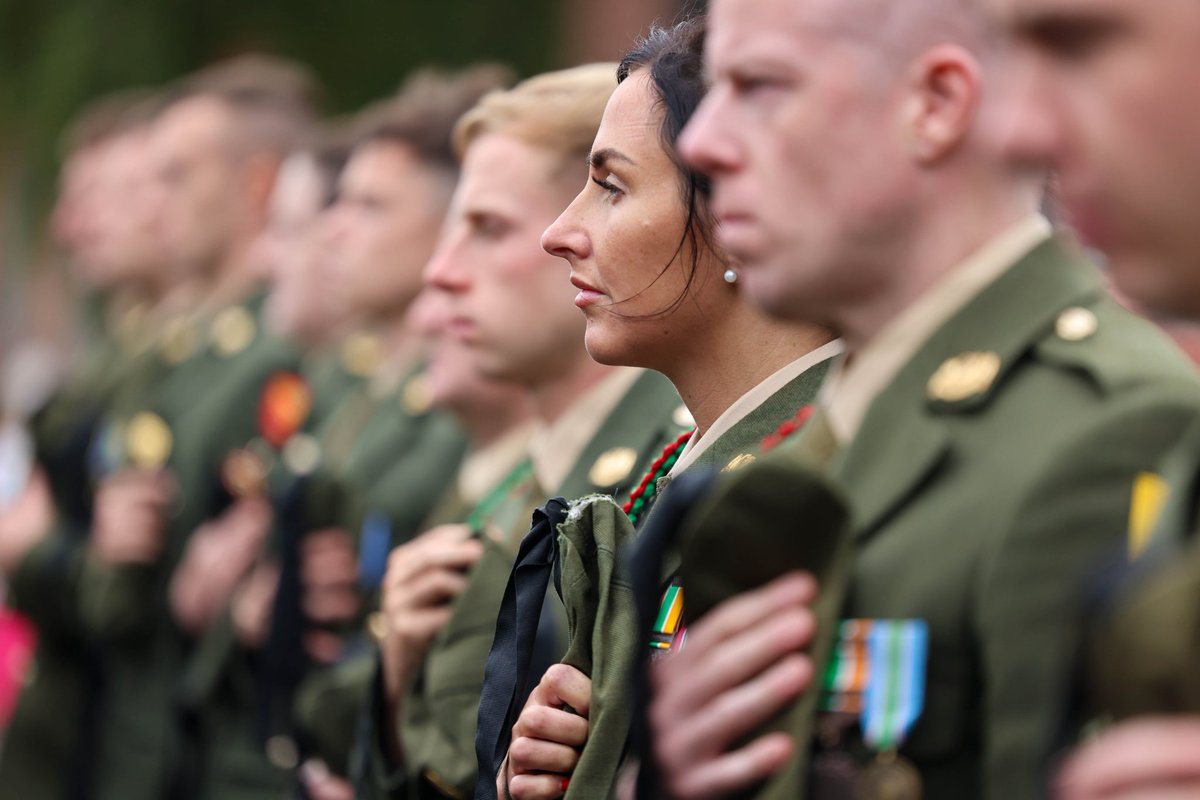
x=148, y=441
x=178, y=340
x=739, y=462
x=232, y=331
x=964, y=376
x=362, y=354
x=418, y=395
x=1076, y=324
x=613, y=466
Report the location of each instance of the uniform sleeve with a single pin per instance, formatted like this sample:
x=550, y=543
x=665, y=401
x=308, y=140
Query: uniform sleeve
x=118, y=602
x=45, y=586
x=1031, y=610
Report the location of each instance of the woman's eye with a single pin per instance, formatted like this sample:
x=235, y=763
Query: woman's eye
x=609, y=188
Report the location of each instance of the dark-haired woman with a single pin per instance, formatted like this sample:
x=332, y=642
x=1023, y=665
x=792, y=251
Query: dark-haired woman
x=657, y=293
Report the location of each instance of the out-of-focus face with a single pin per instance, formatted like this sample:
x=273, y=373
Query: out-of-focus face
x=204, y=204
x=511, y=302
x=383, y=228
x=287, y=254
x=800, y=135
x=77, y=201
x=622, y=237
x=1104, y=92
x=455, y=381
x=124, y=242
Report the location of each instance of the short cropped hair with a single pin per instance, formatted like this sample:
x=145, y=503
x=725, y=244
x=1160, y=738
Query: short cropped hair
x=423, y=113
x=275, y=102
x=557, y=111
x=110, y=116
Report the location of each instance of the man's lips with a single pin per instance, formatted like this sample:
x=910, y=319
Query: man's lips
x=461, y=327
x=588, y=294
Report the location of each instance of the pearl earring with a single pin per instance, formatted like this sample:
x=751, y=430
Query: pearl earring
x=731, y=275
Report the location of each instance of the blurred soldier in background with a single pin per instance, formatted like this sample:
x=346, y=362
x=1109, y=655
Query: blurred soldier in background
x=346, y=479
x=215, y=149
x=105, y=221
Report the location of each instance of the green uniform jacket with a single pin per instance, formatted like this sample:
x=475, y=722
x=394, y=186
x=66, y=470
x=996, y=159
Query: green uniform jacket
x=395, y=463
x=616, y=631
x=207, y=401
x=47, y=745
x=438, y=717
x=980, y=504
x=1142, y=657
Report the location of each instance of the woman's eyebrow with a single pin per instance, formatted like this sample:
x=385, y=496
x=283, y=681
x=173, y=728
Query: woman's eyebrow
x=600, y=158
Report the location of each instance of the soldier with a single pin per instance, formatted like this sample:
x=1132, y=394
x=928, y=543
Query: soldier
x=992, y=410
x=105, y=221
x=657, y=292
x=595, y=426
x=216, y=149
x=345, y=484
x=1104, y=94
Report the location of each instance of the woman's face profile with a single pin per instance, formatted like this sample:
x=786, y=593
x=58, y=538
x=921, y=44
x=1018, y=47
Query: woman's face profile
x=621, y=236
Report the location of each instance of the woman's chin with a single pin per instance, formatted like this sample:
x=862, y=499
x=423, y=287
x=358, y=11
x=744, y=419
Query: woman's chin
x=604, y=350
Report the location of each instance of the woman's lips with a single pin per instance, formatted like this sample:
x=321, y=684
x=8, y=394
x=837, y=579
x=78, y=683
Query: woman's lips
x=588, y=294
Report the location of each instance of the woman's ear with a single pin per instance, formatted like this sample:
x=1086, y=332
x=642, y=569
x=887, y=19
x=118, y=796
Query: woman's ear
x=944, y=94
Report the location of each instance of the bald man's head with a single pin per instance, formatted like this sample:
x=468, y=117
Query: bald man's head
x=841, y=135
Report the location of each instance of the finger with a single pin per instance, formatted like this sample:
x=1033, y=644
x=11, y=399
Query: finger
x=733, y=772
x=563, y=685
x=736, y=660
x=551, y=725
x=732, y=715
x=322, y=646
x=538, y=755
x=325, y=544
x=1153, y=750
x=332, y=606
x=750, y=609
x=536, y=787
x=329, y=570
x=431, y=589
x=417, y=630
x=458, y=555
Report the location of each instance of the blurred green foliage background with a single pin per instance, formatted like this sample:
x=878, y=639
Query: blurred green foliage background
x=55, y=55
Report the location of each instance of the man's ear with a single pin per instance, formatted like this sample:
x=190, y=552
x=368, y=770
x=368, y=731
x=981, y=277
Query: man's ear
x=944, y=95
x=260, y=171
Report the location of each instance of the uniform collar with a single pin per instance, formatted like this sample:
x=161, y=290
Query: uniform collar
x=483, y=469
x=851, y=387
x=555, y=448
x=751, y=400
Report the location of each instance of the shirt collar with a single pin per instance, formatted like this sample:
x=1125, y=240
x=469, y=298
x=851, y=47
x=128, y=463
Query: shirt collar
x=751, y=400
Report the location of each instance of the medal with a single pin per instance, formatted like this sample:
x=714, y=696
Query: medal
x=244, y=474
x=669, y=631
x=835, y=773
x=375, y=543
x=877, y=674
x=283, y=407
x=890, y=777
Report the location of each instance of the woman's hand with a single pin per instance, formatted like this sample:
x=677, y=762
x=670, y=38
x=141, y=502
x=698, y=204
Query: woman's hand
x=547, y=737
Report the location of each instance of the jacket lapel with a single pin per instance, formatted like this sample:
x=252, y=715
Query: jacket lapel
x=905, y=437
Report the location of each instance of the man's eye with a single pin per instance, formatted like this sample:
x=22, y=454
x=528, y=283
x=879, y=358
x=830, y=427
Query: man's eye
x=1073, y=40
x=490, y=227
x=751, y=84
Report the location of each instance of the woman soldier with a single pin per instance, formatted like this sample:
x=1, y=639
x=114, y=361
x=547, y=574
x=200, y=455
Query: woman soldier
x=657, y=293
